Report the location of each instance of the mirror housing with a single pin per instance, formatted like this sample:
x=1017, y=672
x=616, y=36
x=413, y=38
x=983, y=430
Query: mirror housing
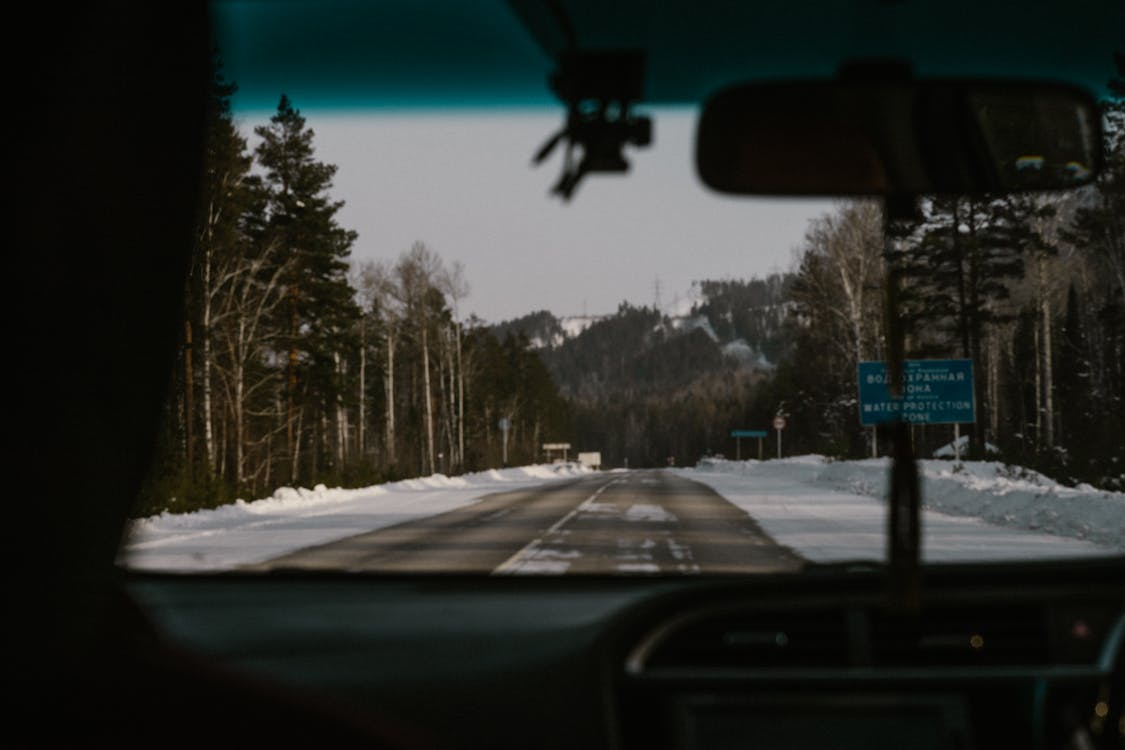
x=898, y=137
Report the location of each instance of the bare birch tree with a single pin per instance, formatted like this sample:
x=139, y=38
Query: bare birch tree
x=247, y=296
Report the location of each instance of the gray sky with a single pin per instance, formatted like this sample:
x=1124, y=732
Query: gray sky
x=462, y=183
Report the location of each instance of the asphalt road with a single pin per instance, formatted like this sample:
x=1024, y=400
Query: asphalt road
x=653, y=522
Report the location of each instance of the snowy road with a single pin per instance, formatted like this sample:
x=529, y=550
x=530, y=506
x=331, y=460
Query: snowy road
x=629, y=522
x=719, y=517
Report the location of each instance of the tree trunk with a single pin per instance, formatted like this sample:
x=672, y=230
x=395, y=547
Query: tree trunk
x=291, y=381
x=1048, y=381
x=222, y=446
x=535, y=441
x=451, y=411
x=239, y=475
x=208, y=420
x=460, y=404
x=1038, y=389
x=389, y=394
x=294, y=446
x=189, y=408
x=269, y=448
x=316, y=445
x=428, y=398
x=962, y=303
x=994, y=383
x=361, y=431
x=443, y=415
x=268, y=459
x=1019, y=415
x=341, y=414
x=978, y=437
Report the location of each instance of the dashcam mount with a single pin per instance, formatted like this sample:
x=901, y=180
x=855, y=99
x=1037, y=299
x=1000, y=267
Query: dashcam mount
x=599, y=89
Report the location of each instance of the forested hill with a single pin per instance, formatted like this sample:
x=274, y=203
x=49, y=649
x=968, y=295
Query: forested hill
x=646, y=385
x=728, y=325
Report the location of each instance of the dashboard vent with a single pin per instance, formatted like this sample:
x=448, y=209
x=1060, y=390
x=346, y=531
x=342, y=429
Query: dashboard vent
x=755, y=640
x=963, y=636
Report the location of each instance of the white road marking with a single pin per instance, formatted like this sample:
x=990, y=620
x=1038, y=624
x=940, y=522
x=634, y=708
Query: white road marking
x=542, y=554
x=630, y=550
x=646, y=512
x=638, y=568
x=679, y=551
x=519, y=562
x=543, y=566
x=602, y=509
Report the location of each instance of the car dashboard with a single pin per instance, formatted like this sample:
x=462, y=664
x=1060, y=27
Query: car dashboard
x=996, y=656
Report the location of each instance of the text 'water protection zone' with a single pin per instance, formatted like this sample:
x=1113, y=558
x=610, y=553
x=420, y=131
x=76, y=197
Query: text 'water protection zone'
x=934, y=391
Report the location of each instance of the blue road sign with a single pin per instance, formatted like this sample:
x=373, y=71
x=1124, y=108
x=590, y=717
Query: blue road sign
x=934, y=391
x=748, y=433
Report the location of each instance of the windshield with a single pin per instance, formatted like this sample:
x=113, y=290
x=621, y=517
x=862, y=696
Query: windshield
x=403, y=351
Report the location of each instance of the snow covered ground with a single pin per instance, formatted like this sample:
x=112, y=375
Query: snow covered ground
x=978, y=510
x=825, y=510
x=250, y=532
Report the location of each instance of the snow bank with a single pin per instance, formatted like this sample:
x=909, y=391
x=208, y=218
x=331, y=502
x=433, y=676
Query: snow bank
x=997, y=493
x=248, y=532
x=960, y=446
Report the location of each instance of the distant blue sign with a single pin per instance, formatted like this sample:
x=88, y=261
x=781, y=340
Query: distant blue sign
x=748, y=433
x=934, y=391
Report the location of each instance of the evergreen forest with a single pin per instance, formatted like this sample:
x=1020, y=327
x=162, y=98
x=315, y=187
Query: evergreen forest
x=298, y=366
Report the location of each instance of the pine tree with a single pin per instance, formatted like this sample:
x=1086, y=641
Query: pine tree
x=1098, y=234
x=957, y=270
x=320, y=310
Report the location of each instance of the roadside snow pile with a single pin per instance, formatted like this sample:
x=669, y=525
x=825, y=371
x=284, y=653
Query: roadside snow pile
x=288, y=500
x=998, y=493
x=249, y=532
x=961, y=446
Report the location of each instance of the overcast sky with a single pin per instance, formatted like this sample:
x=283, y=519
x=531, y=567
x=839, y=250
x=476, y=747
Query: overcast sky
x=463, y=184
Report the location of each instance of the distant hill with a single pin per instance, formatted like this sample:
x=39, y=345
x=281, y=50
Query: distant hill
x=545, y=331
x=656, y=373
x=729, y=324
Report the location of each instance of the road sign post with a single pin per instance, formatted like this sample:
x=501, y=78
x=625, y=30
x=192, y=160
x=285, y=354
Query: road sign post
x=779, y=425
x=549, y=448
x=739, y=434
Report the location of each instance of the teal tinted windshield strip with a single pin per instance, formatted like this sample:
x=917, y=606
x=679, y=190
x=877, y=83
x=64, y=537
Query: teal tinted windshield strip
x=342, y=55
x=476, y=53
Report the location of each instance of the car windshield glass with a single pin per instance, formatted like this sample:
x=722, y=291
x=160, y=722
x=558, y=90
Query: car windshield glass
x=408, y=347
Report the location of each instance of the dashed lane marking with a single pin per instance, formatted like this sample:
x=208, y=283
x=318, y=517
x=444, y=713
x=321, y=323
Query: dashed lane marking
x=519, y=561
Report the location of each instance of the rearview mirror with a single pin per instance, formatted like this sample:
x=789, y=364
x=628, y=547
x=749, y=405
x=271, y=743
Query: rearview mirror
x=896, y=138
